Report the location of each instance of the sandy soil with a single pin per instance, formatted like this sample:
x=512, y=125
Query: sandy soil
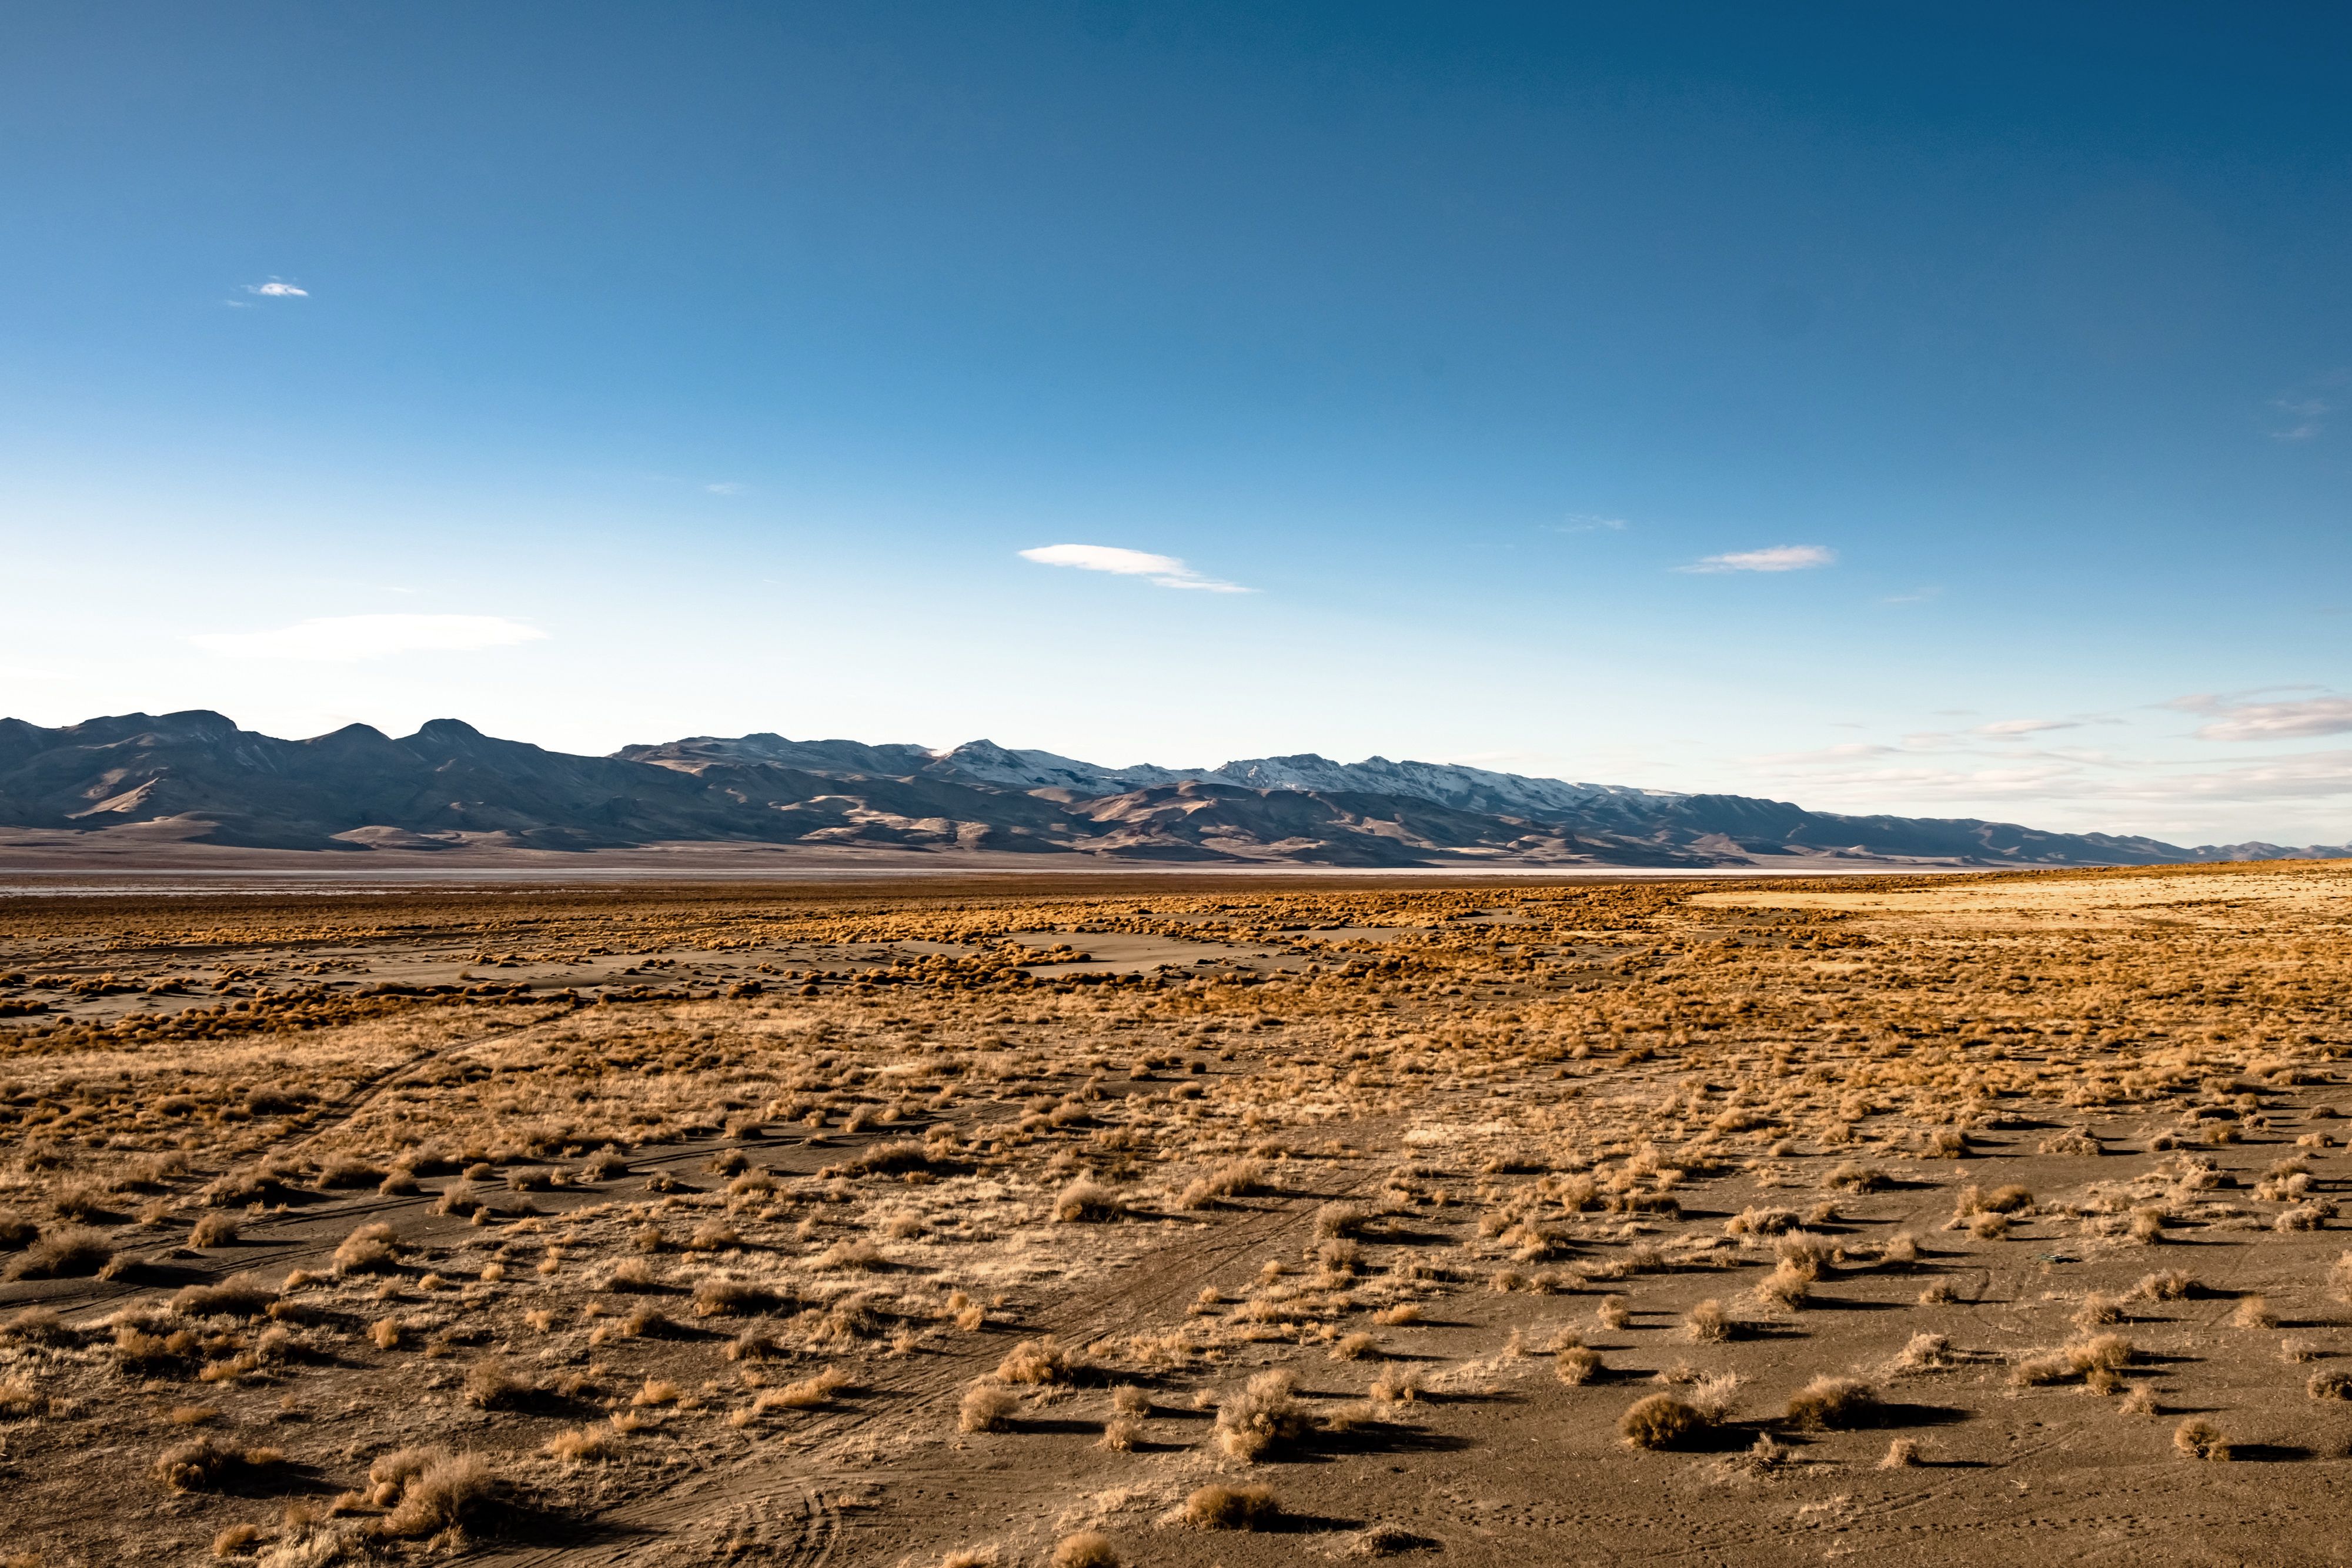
x=834, y=1226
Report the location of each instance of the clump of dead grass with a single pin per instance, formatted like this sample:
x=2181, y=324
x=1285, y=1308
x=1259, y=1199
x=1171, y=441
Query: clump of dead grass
x=490, y=1384
x=429, y=1491
x=1263, y=1414
x=240, y=1295
x=1086, y=1549
x=1661, y=1421
x=1088, y=1200
x=1036, y=1362
x=369, y=1249
x=1709, y=1324
x=986, y=1407
x=208, y=1464
x=1220, y=1507
x=1831, y=1402
x=1232, y=1178
x=2198, y=1438
x=67, y=1252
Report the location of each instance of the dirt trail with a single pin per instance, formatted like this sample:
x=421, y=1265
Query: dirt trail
x=923, y=1397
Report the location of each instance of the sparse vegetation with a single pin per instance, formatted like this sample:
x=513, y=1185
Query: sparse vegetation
x=1415, y=1167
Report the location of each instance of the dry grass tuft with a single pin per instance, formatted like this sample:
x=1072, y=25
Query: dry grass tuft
x=1218, y=1507
x=67, y=1253
x=1833, y=1402
x=240, y=1295
x=850, y=1253
x=491, y=1384
x=1088, y=1201
x=1661, y=1421
x=1926, y=1353
x=1087, y=1549
x=1709, y=1324
x=36, y=1326
x=1260, y=1417
x=2171, y=1285
x=986, y=1407
x=234, y=1539
x=19, y=1397
x=583, y=1445
x=2198, y=1438
x=2331, y=1383
x=213, y=1230
x=442, y=1492
x=207, y=1464
x=805, y=1394
x=369, y=1249
x=715, y=1298
x=1035, y=1361
x=1232, y=1178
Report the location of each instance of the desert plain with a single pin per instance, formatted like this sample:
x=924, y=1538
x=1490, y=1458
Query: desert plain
x=1168, y=1219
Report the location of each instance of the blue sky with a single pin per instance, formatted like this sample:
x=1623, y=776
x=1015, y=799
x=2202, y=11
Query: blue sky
x=608, y=373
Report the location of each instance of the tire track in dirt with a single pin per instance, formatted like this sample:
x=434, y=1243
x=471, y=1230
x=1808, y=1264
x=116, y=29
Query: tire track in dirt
x=255, y=1249
x=651, y=1523
x=362, y=1094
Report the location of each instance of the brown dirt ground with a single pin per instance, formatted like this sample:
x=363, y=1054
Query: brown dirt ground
x=711, y=1211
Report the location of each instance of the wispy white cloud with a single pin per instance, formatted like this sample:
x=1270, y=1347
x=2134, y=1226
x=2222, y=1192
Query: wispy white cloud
x=1845, y=751
x=2027, y=725
x=2303, y=412
x=2239, y=721
x=1780, y=557
x=2304, y=417
x=278, y=288
x=347, y=639
x=1589, y=523
x=1165, y=570
x=725, y=488
x=1916, y=595
x=2291, y=799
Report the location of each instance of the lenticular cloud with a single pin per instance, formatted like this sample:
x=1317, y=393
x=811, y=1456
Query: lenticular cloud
x=1780, y=557
x=1165, y=570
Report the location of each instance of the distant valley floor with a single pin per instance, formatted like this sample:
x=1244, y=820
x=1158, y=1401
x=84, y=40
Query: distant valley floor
x=119, y=860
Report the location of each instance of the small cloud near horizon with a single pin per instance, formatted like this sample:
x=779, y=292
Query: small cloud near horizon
x=725, y=488
x=2238, y=720
x=1779, y=558
x=278, y=288
x=347, y=639
x=1164, y=570
x=1589, y=523
x=2027, y=725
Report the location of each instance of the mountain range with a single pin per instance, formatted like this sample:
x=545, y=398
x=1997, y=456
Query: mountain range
x=195, y=776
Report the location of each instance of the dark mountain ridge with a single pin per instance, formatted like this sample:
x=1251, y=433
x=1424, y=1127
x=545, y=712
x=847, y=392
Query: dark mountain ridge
x=197, y=776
